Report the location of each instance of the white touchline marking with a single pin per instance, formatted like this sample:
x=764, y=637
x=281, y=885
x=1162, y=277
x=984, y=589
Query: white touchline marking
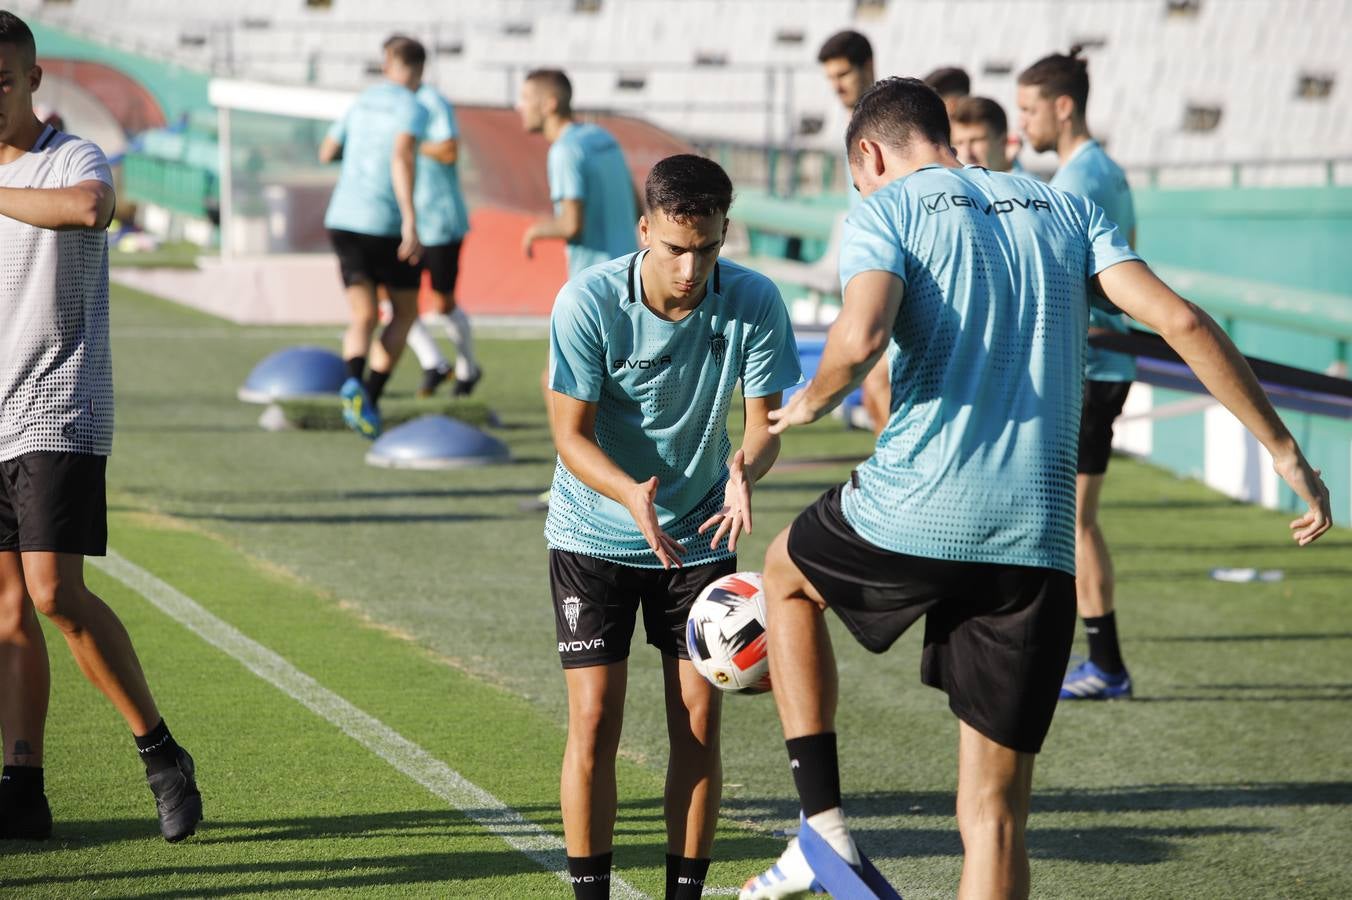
x=473, y=801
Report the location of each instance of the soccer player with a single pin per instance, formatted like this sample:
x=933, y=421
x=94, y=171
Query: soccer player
x=846, y=59
x=980, y=284
x=980, y=133
x=951, y=83
x=372, y=222
x=443, y=222
x=648, y=498
x=56, y=431
x=595, y=205
x=1053, y=94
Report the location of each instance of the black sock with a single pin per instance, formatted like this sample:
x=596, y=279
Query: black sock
x=375, y=385
x=356, y=367
x=158, y=749
x=685, y=877
x=22, y=779
x=816, y=771
x=590, y=876
x=1103, y=649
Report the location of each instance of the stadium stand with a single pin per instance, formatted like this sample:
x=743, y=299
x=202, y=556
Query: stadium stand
x=1245, y=80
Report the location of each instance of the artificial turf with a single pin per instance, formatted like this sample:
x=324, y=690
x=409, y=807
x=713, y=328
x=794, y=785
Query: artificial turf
x=422, y=597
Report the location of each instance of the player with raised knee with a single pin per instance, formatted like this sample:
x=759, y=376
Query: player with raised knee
x=649, y=500
x=846, y=58
x=1053, y=95
x=981, y=284
x=443, y=222
x=595, y=205
x=373, y=225
x=56, y=432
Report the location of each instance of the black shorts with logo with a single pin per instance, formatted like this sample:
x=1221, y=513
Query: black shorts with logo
x=1102, y=404
x=54, y=502
x=442, y=262
x=374, y=259
x=997, y=637
x=596, y=602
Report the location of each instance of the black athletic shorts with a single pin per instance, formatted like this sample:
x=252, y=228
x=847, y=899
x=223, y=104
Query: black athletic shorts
x=596, y=602
x=442, y=262
x=1101, y=405
x=55, y=502
x=997, y=637
x=367, y=257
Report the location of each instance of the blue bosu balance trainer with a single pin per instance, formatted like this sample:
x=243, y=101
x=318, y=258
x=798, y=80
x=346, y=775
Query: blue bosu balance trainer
x=436, y=442
x=295, y=373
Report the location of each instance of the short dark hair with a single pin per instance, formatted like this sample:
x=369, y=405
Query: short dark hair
x=981, y=111
x=405, y=49
x=14, y=32
x=1061, y=75
x=687, y=186
x=895, y=111
x=557, y=83
x=847, y=45
x=950, y=81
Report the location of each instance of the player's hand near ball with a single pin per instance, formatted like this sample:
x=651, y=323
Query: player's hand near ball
x=735, y=516
x=640, y=502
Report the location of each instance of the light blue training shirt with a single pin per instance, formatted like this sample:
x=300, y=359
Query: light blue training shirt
x=662, y=391
x=1091, y=173
x=587, y=164
x=977, y=462
x=363, y=201
x=442, y=214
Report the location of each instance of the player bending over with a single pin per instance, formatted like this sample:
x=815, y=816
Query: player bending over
x=648, y=500
x=965, y=514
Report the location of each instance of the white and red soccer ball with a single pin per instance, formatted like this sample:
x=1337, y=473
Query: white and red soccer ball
x=725, y=634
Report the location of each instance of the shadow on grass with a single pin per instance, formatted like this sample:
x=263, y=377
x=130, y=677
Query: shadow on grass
x=334, y=519
x=320, y=867
x=1091, y=843
x=1138, y=798
x=320, y=496
x=257, y=877
x=1202, y=573
x=1243, y=638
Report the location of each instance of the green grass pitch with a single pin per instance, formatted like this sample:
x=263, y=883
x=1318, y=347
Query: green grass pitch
x=421, y=597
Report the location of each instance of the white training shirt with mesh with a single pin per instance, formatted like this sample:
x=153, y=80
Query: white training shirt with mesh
x=56, y=373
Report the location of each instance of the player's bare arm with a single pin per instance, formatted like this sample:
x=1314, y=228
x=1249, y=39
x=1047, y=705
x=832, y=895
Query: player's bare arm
x=856, y=341
x=1216, y=362
x=759, y=450
x=330, y=150
x=574, y=423
x=445, y=152
x=566, y=226
x=88, y=204
x=402, y=163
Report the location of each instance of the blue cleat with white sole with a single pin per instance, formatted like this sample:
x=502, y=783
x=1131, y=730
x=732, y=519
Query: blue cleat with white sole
x=1088, y=682
x=358, y=413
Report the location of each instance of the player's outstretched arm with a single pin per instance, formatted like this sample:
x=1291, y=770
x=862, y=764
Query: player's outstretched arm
x=575, y=437
x=854, y=344
x=88, y=204
x=1213, y=358
x=759, y=450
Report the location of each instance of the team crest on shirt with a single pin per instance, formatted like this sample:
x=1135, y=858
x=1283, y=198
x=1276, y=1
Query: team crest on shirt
x=718, y=347
x=572, y=606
